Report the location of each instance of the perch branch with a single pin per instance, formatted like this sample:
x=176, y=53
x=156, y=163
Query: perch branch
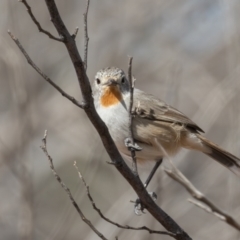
x=102, y=130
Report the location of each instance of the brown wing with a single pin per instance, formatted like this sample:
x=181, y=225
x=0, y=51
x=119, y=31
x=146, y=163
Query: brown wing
x=148, y=107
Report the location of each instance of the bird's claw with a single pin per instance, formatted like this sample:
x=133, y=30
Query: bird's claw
x=153, y=196
x=130, y=145
x=139, y=206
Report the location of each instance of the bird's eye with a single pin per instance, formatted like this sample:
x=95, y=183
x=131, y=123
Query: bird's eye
x=98, y=81
x=123, y=79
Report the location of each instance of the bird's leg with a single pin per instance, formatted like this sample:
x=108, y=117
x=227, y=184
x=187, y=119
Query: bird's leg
x=157, y=164
x=139, y=207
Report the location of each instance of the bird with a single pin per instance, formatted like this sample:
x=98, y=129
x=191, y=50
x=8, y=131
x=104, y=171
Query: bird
x=154, y=123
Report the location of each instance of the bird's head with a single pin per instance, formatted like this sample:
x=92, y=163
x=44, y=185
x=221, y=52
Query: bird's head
x=110, y=85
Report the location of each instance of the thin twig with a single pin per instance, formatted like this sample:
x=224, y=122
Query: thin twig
x=67, y=190
x=29, y=10
x=86, y=38
x=75, y=33
x=130, y=114
x=29, y=60
x=110, y=221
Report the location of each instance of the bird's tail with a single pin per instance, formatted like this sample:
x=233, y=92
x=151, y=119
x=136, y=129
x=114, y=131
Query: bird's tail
x=225, y=158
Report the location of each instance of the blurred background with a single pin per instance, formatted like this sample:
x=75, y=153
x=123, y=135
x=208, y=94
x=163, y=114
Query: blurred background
x=185, y=52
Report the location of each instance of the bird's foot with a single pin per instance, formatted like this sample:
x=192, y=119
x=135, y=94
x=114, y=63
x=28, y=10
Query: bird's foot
x=139, y=206
x=129, y=144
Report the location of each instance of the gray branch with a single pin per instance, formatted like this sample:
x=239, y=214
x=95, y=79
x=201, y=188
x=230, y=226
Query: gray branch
x=204, y=203
x=102, y=130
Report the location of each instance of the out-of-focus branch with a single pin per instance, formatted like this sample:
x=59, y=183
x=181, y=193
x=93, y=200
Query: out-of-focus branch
x=205, y=204
x=66, y=189
x=86, y=38
x=210, y=207
x=110, y=221
x=29, y=60
x=29, y=10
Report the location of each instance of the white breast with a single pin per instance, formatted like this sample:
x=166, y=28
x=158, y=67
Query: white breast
x=116, y=118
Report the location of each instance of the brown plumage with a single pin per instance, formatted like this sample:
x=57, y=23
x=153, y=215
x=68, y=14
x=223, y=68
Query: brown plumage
x=155, y=123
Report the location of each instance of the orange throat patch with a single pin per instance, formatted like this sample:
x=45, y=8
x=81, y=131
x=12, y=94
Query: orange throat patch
x=111, y=96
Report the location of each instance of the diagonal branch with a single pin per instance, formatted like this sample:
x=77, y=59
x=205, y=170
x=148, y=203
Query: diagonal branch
x=45, y=77
x=66, y=189
x=29, y=10
x=161, y=216
x=110, y=221
x=205, y=204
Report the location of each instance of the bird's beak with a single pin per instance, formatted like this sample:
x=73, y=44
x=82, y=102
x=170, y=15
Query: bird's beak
x=111, y=82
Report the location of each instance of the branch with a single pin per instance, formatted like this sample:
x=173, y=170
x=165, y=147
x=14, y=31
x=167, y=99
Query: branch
x=110, y=221
x=130, y=143
x=205, y=208
x=29, y=10
x=208, y=206
x=44, y=148
x=103, y=132
x=45, y=77
x=86, y=38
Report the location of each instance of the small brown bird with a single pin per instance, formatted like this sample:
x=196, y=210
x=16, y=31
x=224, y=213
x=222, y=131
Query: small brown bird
x=155, y=123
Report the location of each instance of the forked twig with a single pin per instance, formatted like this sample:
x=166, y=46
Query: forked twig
x=45, y=77
x=29, y=10
x=88, y=222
